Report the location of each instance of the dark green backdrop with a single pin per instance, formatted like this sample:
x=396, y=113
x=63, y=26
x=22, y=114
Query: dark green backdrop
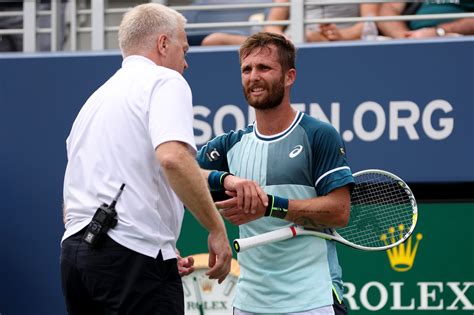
x=441, y=278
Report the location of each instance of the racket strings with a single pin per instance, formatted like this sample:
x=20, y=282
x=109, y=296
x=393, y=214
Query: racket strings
x=381, y=211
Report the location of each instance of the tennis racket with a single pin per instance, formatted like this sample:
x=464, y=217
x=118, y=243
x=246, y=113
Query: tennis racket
x=383, y=215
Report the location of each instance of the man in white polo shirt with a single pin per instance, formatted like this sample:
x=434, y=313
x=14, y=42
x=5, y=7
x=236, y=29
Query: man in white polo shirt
x=136, y=129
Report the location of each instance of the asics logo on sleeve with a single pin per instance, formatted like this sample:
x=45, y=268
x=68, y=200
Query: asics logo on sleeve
x=296, y=150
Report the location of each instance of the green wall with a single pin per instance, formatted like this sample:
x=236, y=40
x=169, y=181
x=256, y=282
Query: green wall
x=440, y=279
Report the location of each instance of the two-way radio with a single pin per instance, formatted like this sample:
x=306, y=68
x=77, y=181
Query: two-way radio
x=103, y=220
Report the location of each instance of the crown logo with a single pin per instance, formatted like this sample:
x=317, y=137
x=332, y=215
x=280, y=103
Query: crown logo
x=402, y=256
x=206, y=286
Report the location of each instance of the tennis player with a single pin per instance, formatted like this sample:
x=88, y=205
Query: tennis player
x=301, y=164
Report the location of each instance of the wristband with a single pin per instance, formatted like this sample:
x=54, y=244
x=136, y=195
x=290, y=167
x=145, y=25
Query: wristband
x=277, y=207
x=216, y=179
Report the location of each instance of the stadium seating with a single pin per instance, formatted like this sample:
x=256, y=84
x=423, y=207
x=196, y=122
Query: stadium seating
x=214, y=16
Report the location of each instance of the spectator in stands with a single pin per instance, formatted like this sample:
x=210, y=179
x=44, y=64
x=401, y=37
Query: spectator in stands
x=342, y=31
x=11, y=42
x=426, y=28
x=314, y=33
x=195, y=37
x=14, y=42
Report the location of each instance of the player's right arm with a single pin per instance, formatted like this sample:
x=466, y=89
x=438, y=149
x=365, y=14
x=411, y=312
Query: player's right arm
x=331, y=210
x=213, y=157
x=332, y=180
x=187, y=181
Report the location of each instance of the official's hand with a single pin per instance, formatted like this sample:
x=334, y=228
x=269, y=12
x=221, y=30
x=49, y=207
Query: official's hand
x=220, y=256
x=185, y=265
x=247, y=193
x=231, y=212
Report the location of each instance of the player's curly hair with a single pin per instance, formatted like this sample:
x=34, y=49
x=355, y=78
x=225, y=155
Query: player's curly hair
x=286, y=49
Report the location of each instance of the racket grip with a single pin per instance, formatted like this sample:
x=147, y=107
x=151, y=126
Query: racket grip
x=243, y=244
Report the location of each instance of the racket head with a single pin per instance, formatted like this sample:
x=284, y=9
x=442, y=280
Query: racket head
x=383, y=211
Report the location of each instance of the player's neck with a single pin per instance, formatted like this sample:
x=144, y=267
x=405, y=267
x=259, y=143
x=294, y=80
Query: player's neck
x=275, y=120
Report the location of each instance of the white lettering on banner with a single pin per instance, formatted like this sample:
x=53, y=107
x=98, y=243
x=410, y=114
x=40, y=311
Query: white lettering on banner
x=431, y=296
x=231, y=110
x=364, y=294
x=446, y=123
x=406, y=122
x=205, y=128
x=349, y=296
x=460, y=295
x=397, y=298
x=359, y=114
x=401, y=118
x=427, y=295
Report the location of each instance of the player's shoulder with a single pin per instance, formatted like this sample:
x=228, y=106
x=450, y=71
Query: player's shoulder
x=314, y=126
x=238, y=134
x=218, y=147
x=232, y=137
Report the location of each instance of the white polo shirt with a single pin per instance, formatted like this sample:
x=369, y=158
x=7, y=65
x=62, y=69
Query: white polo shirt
x=113, y=141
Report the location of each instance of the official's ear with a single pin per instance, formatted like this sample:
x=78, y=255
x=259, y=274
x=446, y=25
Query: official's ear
x=162, y=44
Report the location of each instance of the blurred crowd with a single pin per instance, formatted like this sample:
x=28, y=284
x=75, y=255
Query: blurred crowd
x=367, y=30
x=418, y=28
x=14, y=42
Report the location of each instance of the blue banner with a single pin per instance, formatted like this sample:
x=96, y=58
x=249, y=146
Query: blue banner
x=403, y=106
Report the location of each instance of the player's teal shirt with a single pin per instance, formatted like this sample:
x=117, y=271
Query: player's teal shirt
x=305, y=161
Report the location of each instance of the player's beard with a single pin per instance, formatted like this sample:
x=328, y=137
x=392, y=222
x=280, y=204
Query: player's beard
x=275, y=93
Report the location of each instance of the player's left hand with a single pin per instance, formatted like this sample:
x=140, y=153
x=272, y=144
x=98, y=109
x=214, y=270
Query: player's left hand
x=247, y=194
x=185, y=265
x=230, y=211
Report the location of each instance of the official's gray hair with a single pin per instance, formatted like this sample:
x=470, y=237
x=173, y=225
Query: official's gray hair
x=141, y=26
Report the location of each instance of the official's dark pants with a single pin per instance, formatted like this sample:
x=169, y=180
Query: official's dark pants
x=113, y=279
